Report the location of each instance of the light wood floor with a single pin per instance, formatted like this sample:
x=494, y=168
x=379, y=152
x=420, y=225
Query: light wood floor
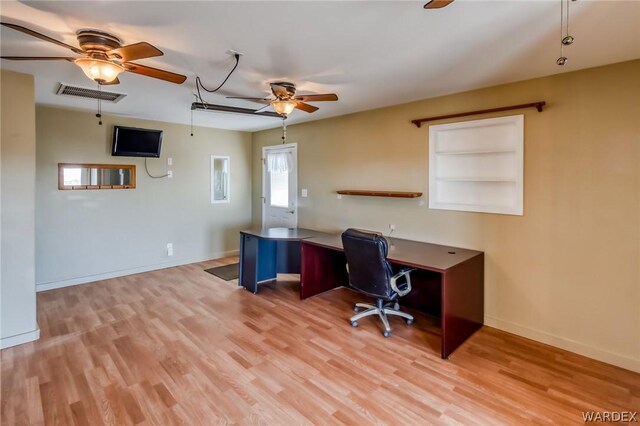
x=181, y=346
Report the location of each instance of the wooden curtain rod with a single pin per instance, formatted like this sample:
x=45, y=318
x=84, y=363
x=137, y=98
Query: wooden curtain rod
x=537, y=105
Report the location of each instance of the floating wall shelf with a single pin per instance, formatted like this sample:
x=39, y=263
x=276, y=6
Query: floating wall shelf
x=393, y=194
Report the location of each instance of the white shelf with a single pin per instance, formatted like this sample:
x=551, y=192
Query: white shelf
x=499, y=151
x=475, y=179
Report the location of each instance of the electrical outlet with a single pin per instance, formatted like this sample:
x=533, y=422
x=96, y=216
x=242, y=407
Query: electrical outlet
x=304, y=193
x=339, y=196
x=392, y=227
x=169, y=174
x=169, y=161
x=169, y=249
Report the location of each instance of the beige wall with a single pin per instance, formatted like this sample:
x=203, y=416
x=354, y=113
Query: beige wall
x=83, y=236
x=568, y=271
x=17, y=204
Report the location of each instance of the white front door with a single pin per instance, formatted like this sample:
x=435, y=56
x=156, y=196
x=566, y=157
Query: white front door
x=280, y=186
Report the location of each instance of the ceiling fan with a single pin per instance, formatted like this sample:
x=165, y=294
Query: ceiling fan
x=437, y=4
x=103, y=57
x=286, y=100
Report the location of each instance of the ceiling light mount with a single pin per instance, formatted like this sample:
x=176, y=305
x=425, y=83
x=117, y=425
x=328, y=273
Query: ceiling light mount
x=97, y=41
x=283, y=89
x=233, y=53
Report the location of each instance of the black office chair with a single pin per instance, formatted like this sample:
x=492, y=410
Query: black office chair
x=370, y=273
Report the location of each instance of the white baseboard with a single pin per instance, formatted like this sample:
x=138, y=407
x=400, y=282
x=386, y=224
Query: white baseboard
x=613, y=358
x=51, y=285
x=19, y=339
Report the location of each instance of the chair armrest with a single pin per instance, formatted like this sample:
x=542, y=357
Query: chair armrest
x=404, y=273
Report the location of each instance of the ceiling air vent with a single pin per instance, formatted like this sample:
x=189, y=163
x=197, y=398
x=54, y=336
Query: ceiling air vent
x=83, y=92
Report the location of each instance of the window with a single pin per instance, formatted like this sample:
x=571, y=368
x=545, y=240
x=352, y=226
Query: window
x=477, y=165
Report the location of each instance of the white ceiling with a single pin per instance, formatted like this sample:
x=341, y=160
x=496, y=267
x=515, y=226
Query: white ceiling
x=371, y=53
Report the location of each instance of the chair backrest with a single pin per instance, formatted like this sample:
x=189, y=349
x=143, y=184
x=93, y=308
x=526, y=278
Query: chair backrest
x=369, y=271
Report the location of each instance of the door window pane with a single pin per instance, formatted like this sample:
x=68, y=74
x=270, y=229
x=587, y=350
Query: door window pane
x=279, y=189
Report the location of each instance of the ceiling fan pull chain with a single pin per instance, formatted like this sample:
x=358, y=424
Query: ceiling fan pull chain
x=192, y=122
x=284, y=129
x=99, y=114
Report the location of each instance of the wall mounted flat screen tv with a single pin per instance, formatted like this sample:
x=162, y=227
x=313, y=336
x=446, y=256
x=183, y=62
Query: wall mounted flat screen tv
x=133, y=142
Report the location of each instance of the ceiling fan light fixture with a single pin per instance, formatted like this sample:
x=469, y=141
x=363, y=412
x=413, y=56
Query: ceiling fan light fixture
x=99, y=70
x=283, y=107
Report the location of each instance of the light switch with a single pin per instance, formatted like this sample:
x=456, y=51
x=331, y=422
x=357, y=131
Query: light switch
x=169, y=161
x=304, y=192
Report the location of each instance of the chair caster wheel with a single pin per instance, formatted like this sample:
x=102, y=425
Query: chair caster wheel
x=386, y=333
x=354, y=323
x=356, y=309
x=409, y=321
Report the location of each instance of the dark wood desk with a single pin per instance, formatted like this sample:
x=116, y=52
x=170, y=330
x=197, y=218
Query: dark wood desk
x=264, y=253
x=448, y=282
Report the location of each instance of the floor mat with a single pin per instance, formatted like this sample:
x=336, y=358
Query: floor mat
x=226, y=272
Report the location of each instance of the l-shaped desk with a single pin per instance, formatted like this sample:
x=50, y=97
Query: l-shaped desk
x=265, y=253
x=448, y=281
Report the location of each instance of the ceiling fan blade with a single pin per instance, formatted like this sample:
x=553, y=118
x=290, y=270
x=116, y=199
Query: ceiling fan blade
x=154, y=72
x=317, y=98
x=42, y=37
x=135, y=51
x=38, y=58
x=263, y=108
x=306, y=107
x=437, y=4
x=112, y=82
x=261, y=100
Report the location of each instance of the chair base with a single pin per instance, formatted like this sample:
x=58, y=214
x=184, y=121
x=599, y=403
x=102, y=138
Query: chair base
x=381, y=309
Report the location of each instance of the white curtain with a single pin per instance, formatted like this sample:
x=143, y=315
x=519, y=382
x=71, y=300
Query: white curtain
x=279, y=162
